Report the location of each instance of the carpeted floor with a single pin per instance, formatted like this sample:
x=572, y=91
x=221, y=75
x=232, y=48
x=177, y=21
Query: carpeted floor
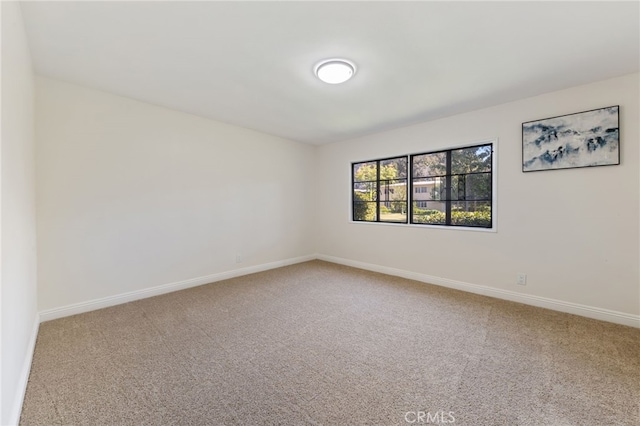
x=317, y=343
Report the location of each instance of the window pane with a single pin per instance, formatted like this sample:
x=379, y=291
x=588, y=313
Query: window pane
x=393, y=200
x=479, y=187
x=458, y=187
x=432, y=212
x=471, y=160
x=394, y=168
x=365, y=191
x=364, y=210
x=363, y=172
x=434, y=164
x=471, y=213
x=471, y=187
x=393, y=190
x=429, y=189
x=386, y=215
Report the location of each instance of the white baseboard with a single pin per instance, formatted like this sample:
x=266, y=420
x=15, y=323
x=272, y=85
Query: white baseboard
x=542, y=302
x=92, y=305
x=16, y=409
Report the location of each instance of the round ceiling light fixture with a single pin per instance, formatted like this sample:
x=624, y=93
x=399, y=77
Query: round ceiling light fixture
x=335, y=71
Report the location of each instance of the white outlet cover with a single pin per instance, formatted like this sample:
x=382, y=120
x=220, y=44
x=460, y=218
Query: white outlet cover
x=522, y=279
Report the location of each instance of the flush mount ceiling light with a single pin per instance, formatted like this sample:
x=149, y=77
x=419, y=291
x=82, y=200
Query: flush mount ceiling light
x=335, y=71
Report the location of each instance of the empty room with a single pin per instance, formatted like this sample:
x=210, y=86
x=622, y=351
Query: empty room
x=320, y=213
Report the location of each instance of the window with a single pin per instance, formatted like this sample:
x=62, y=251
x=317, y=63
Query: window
x=452, y=187
x=379, y=190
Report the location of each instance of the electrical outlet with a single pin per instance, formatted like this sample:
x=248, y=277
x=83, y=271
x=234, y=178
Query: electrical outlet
x=521, y=279
x=238, y=258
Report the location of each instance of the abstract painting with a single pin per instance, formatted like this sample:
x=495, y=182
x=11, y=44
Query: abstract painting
x=583, y=139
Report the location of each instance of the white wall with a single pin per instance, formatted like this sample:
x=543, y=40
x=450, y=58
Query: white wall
x=18, y=227
x=574, y=232
x=132, y=196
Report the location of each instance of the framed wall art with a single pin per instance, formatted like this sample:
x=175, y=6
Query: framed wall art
x=584, y=139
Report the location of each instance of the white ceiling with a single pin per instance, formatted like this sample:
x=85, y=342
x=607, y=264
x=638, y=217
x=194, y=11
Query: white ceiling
x=251, y=63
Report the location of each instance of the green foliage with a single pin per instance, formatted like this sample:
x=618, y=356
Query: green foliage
x=398, y=200
x=482, y=217
x=464, y=161
x=366, y=177
x=368, y=172
x=419, y=211
x=478, y=218
x=470, y=160
x=363, y=211
x=429, y=216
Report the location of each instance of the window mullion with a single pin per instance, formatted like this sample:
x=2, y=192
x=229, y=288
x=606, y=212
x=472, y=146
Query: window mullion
x=447, y=218
x=378, y=190
x=410, y=189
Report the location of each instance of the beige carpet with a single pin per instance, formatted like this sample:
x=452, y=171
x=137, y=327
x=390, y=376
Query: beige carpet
x=318, y=343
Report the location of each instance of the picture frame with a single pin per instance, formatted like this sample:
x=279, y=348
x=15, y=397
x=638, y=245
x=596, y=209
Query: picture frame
x=582, y=139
